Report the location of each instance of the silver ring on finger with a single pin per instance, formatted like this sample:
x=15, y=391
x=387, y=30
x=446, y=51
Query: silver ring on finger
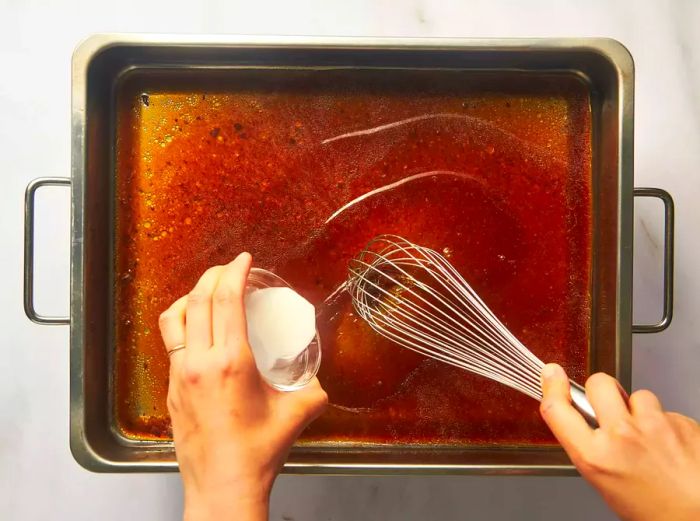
x=176, y=348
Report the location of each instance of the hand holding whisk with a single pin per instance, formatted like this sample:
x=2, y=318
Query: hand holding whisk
x=413, y=296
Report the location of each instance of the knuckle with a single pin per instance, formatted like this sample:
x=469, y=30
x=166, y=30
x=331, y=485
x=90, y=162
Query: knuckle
x=680, y=427
x=626, y=432
x=165, y=318
x=229, y=372
x=237, y=342
x=686, y=428
x=197, y=297
x=547, y=406
x=209, y=276
x=225, y=295
x=597, y=379
x=642, y=394
x=681, y=420
x=589, y=464
x=654, y=423
x=224, y=363
x=192, y=374
x=644, y=402
x=214, y=270
x=231, y=364
x=593, y=463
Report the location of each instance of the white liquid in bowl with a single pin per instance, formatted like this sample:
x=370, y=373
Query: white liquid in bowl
x=281, y=331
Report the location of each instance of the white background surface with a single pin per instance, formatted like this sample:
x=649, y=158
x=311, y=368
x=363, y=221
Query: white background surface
x=38, y=477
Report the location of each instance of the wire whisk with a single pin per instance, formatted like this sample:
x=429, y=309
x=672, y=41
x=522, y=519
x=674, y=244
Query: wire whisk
x=413, y=296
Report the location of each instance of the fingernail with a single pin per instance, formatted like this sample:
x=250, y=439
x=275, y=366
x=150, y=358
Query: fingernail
x=550, y=371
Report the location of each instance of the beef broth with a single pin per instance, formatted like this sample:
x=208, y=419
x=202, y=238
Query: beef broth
x=302, y=169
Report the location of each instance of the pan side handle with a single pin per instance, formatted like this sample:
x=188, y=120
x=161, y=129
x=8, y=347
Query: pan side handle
x=29, y=197
x=668, y=260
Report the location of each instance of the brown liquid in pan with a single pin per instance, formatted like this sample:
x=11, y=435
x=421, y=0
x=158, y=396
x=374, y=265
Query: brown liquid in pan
x=497, y=175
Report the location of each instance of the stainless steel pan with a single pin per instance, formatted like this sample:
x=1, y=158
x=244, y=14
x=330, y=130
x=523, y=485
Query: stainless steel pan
x=99, y=63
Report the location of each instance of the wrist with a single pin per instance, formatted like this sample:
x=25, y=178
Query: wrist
x=225, y=506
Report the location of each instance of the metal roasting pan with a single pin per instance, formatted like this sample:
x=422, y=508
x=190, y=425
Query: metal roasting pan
x=99, y=63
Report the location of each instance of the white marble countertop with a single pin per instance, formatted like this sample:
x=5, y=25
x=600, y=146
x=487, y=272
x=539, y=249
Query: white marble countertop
x=38, y=477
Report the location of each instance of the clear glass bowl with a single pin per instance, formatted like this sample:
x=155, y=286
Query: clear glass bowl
x=292, y=373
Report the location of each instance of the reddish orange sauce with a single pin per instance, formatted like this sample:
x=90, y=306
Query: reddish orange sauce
x=248, y=162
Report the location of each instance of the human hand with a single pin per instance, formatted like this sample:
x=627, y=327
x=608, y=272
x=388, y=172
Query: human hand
x=232, y=431
x=644, y=461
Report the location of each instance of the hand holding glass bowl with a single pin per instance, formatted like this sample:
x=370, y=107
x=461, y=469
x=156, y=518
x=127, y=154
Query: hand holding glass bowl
x=233, y=431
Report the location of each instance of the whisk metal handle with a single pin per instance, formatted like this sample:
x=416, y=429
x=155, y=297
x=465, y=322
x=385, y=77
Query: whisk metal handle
x=581, y=404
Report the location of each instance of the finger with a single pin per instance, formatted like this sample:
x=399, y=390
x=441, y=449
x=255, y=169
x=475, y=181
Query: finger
x=565, y=422
x=644, y=403
x=228, y=311
x=198, y=334
x=609, y=404
x=688, y=427
x=172, y=329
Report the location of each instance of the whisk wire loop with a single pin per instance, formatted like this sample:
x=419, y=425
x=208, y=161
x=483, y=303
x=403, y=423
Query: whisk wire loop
x=415, y=297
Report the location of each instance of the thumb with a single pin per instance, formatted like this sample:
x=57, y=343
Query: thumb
x=299, y=408
x=555, y=384
x=565, y=422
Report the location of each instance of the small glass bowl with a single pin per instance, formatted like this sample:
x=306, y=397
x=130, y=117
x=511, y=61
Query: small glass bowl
x=294, y=373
